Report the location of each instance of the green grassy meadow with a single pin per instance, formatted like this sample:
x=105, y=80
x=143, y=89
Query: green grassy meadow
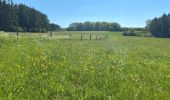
x=37, y=67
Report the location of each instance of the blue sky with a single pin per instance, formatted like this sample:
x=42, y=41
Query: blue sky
x=128, y=13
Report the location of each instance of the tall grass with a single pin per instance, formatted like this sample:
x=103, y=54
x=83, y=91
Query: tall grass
x=117, y=68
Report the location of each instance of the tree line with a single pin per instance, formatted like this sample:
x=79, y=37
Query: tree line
x=20, y=17
x=94, y=26
x=159, y=27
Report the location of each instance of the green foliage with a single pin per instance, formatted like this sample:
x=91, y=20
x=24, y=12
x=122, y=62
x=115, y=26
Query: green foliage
x=8, y=16
x=136, y=32
x=94, y=26
x=118, y=68
x=133, y=29
x=160, y=27
x=54, y=27
x=129, y=33
x=17, y=17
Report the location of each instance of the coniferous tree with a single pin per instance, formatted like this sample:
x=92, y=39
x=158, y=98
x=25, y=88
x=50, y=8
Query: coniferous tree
x=160, y=27
x=21, y=17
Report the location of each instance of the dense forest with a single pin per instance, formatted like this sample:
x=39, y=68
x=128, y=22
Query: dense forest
x=20, y=17
x=94, y=26
x=160, y=27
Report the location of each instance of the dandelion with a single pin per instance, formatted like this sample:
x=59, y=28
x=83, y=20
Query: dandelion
x=18, y=66
x=91, y=67
x=42, y=65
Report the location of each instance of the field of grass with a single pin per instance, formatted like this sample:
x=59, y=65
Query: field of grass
x=117, y=68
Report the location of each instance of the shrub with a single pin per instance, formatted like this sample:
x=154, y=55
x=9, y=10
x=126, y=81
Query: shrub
x=129, y=33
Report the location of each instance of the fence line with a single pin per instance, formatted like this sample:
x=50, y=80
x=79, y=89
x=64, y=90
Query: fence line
x=70, y=36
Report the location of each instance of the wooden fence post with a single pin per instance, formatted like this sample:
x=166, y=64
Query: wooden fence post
x=51, y=34
x=96, y=37
x=90, y=36
x=17, y=34
x=81, y=36
x=70, y=36
x=17, y=31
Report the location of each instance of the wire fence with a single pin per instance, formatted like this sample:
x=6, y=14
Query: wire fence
x=58, y=35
